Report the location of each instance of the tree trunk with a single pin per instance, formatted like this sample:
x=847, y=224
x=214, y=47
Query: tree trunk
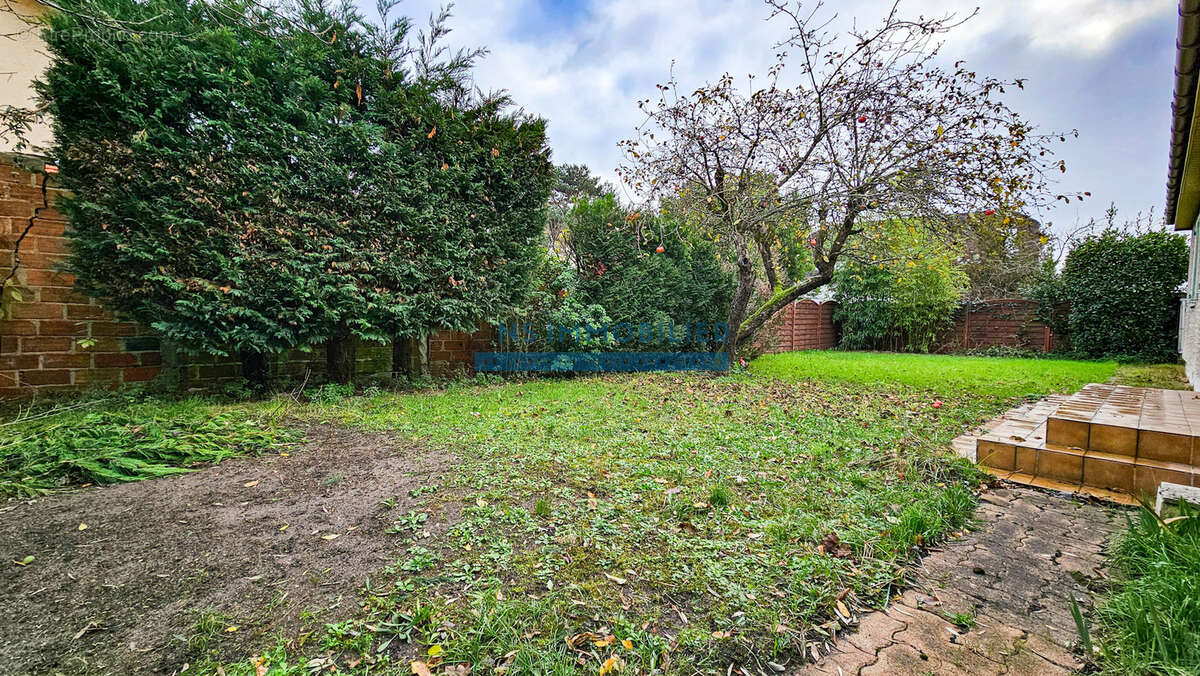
x=255, y=370
x=741, y=299
x=341, y=354
x=772, y=307
x=768, y=261
x=410, y=358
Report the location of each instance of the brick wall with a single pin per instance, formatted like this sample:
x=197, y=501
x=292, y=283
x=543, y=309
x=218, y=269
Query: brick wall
x=52, y=338
x=802, y=325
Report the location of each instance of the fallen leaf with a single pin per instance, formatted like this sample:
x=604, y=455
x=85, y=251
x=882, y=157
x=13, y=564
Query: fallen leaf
x=627, y=644
x=420, y=668
x=25, y=561
x=83, y=526
x=614, y=578
x=231, y=629
x=250, y=484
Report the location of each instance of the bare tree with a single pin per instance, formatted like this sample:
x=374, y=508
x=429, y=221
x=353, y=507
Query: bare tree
x=872, y=129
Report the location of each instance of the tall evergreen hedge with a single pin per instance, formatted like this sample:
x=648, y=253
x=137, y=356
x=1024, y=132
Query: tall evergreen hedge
x=253, y=181
x=1123, y=291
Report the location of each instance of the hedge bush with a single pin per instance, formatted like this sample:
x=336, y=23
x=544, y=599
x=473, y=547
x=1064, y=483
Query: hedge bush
x=1123, y=290
x=253, y=181
x=620, y=269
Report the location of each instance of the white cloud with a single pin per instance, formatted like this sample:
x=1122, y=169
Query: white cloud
x=584, y=66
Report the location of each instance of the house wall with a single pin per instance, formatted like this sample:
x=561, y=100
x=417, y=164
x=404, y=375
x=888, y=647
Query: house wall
x=1189, y=318
x=23, y=58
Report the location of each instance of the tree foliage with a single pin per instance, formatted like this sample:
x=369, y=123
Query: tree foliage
x=1123, y=290
x=1002, y=255
x=253, y=180
x=872, y=129
x=616, y=252
x=903, y=297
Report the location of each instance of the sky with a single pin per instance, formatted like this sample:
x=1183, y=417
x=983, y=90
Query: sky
x=1103, y=67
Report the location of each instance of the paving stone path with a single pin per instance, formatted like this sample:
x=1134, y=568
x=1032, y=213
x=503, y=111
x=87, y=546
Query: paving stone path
x=1015, y=573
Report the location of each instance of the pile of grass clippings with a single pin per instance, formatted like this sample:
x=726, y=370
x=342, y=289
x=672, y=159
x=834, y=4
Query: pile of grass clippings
x=57, y=449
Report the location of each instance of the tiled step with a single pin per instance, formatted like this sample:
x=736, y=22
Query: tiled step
x=1114, y=428
x=1071, y=423
x=1118, y=439
x=1164, y=431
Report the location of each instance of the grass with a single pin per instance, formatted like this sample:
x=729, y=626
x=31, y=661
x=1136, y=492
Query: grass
x=698, y=521
x=649, y=522
x=1163, y=376
x=994, y=376
x=1150, y=622
x=110, y=441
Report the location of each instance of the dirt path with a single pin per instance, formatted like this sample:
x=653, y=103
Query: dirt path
x=257, y=540
x=1015, y=574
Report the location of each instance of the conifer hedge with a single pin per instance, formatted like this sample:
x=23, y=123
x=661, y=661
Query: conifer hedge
x=251, y=181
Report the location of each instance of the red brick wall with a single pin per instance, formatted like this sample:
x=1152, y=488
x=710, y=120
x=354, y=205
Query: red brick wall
x=52, y=338
x=802, y=325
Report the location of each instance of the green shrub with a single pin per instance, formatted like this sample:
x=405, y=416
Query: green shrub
x=1123, y=294
x=620, y=270
x=906, y=301
x=250, y=181
x=554, y=302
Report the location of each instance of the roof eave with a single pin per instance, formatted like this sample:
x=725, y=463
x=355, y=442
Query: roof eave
x=1183, y=176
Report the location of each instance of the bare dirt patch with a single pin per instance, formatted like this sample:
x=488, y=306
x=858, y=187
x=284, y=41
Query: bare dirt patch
x=257, y=540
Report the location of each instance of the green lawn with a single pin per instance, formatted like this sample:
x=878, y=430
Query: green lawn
x=1000, y=377
x=1164, y=376
x=654, y=521
x=682, y=514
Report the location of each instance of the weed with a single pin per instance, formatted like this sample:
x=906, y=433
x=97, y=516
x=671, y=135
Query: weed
x=410, y=521
x=422, y=490
x=207, y=631
x=720, y=495
x=419, y=559
x=1150, y=622
x=963, y=620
